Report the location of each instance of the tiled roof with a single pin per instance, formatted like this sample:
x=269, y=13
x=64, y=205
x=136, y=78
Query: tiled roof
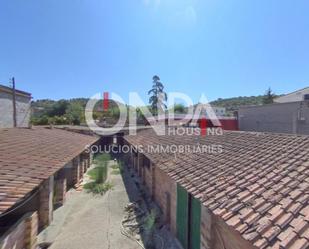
x=259, y=184
x=28, y=156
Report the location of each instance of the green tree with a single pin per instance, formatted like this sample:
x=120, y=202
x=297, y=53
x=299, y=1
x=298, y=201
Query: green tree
x=179, y=108
x=114, y=112
x=58, y=108
x=75, y=113
x=269, y=97
x=158, y=96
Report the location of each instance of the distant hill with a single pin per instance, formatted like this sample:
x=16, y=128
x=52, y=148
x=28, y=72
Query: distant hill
x=45, y=105
x=232, y=104
x=72, y=111
x=49, y=108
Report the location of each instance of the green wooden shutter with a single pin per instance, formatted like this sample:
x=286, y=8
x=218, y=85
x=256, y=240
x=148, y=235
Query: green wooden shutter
x=182, y=216
x=195, y=224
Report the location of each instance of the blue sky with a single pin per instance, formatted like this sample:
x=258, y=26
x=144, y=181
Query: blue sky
x=223, y=48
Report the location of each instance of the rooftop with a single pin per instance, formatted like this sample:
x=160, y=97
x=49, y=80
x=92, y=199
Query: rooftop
x=258, y=184
x=29, y=156
x=297, y=91
x=18, y=92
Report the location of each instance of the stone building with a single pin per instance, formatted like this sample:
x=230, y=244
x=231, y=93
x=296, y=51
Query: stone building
x=37, y=167
x=23, y=108
x=251, y=194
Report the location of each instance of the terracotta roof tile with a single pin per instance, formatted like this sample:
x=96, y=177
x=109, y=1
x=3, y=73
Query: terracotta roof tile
x=28, y=156
x=259, y=184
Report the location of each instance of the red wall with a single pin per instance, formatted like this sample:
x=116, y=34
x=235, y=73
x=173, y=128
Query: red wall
x=229, y=124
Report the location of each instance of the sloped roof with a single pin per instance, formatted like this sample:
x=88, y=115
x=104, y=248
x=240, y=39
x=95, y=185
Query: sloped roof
x=28, y=156
x=297, y=91
x=18, y=92
x=258, y=184
x=297, y=95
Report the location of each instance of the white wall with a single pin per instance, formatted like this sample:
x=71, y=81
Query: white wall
x=23, y=110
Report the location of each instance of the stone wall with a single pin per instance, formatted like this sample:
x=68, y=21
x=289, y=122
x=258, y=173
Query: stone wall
x=40, y=207
x=60, y=187
x=46, y=193
x=148, y=176
x=160, y=186
x=68, y=168
x=32, y=225
x=23, y=234
x=166, y=196
x=60, y=191
x=76, y=170
x=216, y=234
x=206, y=226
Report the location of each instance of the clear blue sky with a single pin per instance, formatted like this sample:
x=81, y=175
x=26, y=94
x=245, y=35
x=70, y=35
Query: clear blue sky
x=224, y=48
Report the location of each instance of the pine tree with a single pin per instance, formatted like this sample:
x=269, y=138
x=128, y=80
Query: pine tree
x=158, y=96
x=269, y=97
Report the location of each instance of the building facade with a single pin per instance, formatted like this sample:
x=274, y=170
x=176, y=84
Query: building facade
x=34, y=179
x=23, y=107
x=290, y=117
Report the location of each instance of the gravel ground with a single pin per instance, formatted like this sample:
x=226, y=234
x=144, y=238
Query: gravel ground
x=88, y=222
x=94, y=222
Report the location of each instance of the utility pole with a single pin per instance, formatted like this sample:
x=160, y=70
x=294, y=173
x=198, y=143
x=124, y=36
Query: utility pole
x=14, y=102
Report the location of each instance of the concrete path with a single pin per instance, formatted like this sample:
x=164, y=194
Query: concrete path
x=89, y=222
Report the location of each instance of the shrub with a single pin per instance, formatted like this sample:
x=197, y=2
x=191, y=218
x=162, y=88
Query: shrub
x=58, y=120
x=117, y=168
x=98, y=174
x=43, y=120
x=101, y=175
x=150, y=220
x=102, y=158
x=95, y=188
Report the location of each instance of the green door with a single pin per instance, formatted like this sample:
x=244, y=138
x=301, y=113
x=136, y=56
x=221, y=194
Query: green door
x=195, y=224
x=182, y=216
x=188, y=219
